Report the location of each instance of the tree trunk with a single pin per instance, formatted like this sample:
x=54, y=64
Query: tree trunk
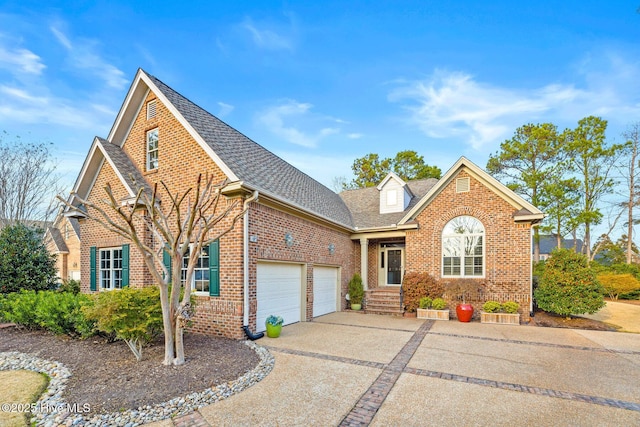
x=587, y=240
x=167, y=323
x=179, y=359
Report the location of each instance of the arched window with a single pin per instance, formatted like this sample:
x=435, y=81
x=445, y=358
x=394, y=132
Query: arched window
x=463, y=248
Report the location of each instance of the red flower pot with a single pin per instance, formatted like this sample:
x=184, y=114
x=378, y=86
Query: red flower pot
x=464, y=312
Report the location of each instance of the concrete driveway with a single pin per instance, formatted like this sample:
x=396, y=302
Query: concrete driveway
x=625, y=317
x=356, y=369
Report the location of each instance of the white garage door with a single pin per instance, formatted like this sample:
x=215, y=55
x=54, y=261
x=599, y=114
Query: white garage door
x=279, y=292
x=325, y=290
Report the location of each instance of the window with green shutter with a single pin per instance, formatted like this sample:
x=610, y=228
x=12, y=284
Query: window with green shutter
x=92, y=268
x=214, y=269
x=206, y=274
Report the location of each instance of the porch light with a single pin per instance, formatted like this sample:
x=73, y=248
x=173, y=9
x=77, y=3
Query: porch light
x=288, y=239
x=332, y=248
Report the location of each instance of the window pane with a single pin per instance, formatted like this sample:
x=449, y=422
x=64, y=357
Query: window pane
x=462, y=247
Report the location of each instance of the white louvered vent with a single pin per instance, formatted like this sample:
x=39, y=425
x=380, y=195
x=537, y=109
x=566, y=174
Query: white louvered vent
x=151, y=109
x=462, y=185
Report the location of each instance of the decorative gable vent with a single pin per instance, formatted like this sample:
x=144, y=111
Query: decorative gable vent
x=151, y=109
x=462, y=185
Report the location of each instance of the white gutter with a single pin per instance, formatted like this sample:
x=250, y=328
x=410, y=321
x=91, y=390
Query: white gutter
x=245, y=257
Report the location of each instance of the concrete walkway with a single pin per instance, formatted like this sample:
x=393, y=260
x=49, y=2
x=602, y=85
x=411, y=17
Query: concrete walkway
x=352, y=369
x=619, y=314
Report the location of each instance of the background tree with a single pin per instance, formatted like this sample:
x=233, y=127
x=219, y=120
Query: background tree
x=563, y=205
x=25, y=262
x=592, y=159
x=631, y=172
x=28, y=182
x=527, y=161
x=181, y=225
x=370, y=170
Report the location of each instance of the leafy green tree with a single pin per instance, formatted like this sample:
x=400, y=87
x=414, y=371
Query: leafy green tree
x=370, y=170
x=568, y=285
x=563, y=206
x=529, y=162
x=25, y=262
x=630, y=170
x=592, y=159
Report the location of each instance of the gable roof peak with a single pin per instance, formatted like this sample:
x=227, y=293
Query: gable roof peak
x=394, y=176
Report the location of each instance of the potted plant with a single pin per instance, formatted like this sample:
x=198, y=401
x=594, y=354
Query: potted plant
x=274, y=326
x=356, y=292
x=460, y=290
x=433, y=309
x=503, y=314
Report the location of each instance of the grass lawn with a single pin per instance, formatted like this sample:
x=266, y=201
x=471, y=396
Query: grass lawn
x=20, y=387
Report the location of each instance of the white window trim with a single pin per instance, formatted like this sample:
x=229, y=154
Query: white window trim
x=156, y=150
x=183, y=272
x=111, y=269
x=462, y=256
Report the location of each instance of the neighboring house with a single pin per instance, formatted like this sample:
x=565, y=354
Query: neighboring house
x=549, y=242
x=62, y=238
x=294, y=251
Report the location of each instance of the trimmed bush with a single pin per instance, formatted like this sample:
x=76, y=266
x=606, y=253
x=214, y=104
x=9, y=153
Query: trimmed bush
x=616, y=284
x=58, y=312
x=438, y=304
x=425, y=302
x=510, y=307
x=418, y=285
x=133, y=315
x=491, y=307
x=356, y=290
x=568, y=285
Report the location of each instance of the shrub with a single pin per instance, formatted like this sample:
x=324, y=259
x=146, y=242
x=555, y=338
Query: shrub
x=58, y=312
x=356, y=291
x=438, y=304
x=510, y=307
x=425, y=302
x=491, y=306
x=417, y=285
x=274, y=320
x=616, y=284
x=568, y=286
x=70, y=285
x=133, y=315
x=25, y=262
x=631, y=295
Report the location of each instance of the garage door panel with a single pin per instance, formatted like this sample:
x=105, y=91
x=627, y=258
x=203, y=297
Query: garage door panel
x=325, y=290
x=279, y=290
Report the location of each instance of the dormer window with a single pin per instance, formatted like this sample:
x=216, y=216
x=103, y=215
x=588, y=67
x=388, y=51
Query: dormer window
x=392, y=197
x=152, y=149
x=394, y=194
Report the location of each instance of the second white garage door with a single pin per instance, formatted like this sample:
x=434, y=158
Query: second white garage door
x=279, y=292
x=325, y=290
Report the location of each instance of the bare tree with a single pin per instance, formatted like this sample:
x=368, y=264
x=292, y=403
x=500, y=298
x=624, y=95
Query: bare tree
x=631, y=172
x=181, y=226
x=28, y=182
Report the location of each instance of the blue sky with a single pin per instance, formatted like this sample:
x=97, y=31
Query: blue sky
x=322, y=83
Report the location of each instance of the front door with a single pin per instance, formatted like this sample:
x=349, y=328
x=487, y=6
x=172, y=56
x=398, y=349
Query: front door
x=391, y=264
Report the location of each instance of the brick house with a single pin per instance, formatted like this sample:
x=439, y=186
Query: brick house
x=62, y=238
x=295, y=249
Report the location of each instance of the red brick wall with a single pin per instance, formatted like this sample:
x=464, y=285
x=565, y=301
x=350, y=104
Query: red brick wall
x=507, y=244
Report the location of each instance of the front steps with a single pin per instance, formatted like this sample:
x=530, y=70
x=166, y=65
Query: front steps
x=384, y=300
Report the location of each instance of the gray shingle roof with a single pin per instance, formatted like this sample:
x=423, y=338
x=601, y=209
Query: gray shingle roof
x=257, y=166
x=549, y=243
x=364, y=204
x=56, y=236
x=125, y=166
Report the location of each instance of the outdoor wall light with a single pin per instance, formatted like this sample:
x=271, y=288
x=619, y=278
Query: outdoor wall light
x=332, y=248
x=288, y=239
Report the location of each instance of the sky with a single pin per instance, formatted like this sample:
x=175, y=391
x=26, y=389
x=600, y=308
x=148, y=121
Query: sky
x=321, y=83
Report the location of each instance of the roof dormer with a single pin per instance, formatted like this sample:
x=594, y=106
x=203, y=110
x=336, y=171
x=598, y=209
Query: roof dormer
x=394, y=194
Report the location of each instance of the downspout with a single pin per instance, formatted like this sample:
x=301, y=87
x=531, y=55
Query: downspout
x=245, y=268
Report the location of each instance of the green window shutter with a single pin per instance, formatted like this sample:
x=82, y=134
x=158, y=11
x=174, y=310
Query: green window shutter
x=166, y=260
x=92, y=268
x=125, y=266
x=214, y=268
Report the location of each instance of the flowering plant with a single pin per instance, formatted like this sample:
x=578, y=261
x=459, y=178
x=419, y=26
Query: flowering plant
x=274, y=320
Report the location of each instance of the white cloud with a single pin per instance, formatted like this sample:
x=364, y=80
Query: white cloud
x=82, y=55
x=276, y=120
x=267, y=38
x=455, y=104
x=20, y=60
x=225, y=109
x=355, y=135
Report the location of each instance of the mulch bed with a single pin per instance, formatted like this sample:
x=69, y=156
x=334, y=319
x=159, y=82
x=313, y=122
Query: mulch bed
x=551, y=320
x=108, y=377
